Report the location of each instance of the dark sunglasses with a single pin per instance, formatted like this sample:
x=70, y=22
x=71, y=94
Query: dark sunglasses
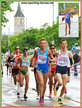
x=25, y=50
x=52, y=48
x=17, y=48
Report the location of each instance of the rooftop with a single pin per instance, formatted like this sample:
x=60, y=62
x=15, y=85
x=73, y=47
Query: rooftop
x=19, y=11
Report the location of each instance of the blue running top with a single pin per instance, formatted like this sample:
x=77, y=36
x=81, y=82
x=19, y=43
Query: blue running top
x=67, y=17
x=43, y=61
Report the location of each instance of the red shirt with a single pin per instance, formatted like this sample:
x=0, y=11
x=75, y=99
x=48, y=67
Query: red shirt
x=16, y=57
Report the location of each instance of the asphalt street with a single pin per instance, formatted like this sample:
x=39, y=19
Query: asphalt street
x=9, y=91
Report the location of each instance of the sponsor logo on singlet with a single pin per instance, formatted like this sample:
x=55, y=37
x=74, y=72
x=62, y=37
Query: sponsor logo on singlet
x=25, y=62
x=42, y=59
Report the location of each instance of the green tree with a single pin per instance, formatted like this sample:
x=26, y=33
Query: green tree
x=4, y=44
x=5, y=7
x=30, y=38
x=69, y=5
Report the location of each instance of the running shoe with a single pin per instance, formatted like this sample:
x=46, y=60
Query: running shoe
x=50, y=96
x=65, y=33
x=60, y=101
x=41, y=101
x=48, y=83
x=18, y=93
x=38, y=97
x=25, y=97
x=69, y=32
x=56, y=90
x=65, y=91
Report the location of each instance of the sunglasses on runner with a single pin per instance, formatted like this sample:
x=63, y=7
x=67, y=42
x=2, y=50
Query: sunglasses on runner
x=25, y=50
x=52, y=48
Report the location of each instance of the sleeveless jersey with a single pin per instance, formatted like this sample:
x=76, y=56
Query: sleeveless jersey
x=16, y=57
x=42, y=57
x=67, y=14
x=62, y=59
x=43, y=61
x=25, y=62
x=54, y=63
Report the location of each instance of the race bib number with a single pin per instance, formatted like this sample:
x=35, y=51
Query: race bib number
x=24, y=64
x=42, y=59
x=14, y=64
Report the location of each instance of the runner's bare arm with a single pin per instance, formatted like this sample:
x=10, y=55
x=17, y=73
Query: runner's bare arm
x=49, y=67
x=7, y=62
x=71, y=15
x=18, y=64
x=33, y=58
x=50, y=56
x=56, y=53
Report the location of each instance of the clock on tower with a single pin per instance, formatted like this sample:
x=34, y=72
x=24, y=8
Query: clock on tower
x=19, y=21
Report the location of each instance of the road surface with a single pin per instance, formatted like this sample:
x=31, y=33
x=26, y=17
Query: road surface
x=9, y=97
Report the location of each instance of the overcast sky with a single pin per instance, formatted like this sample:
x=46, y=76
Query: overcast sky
x=36, y=15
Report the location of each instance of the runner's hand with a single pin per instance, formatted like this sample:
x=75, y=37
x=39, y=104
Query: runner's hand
x=10, y=64
x=72, y=68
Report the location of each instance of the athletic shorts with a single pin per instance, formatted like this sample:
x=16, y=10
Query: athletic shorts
x=68, y=71
x=7, y=65
x=53, y=69
x=24, y=71
x=67, y=20
x=62, y=70
x=43, y=70
x=15, y=71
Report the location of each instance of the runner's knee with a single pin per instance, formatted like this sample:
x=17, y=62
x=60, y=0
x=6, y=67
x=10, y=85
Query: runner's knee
x=41, y=84
x=60, y=84
x=21, y=84
x=51, y=82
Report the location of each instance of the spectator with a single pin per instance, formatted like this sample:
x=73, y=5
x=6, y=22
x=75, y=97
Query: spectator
x=76, y=59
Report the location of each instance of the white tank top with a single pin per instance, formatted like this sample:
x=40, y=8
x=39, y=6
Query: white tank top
x=62, y=59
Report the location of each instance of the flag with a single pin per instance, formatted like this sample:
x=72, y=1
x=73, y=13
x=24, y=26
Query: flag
x=63, y=18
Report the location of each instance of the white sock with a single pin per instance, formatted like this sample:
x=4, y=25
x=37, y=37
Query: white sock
x=18, y=86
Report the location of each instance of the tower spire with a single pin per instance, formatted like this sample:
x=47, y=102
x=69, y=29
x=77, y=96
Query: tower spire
x=19, y=11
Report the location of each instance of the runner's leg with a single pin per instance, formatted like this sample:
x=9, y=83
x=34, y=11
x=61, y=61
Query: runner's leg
x=64, y=78
x=69, y=24
x=55, y=79
x=59, y=80
x=65, y=27
x=21, y=79
x=51, y=83
x=26, y=82
x=40, y=77
x=45, y=78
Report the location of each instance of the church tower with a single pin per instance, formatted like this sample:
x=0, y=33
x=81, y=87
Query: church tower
x=19, y=21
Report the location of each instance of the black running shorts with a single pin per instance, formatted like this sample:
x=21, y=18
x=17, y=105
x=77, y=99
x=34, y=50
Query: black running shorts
x=15, y=71
x=62, y=69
